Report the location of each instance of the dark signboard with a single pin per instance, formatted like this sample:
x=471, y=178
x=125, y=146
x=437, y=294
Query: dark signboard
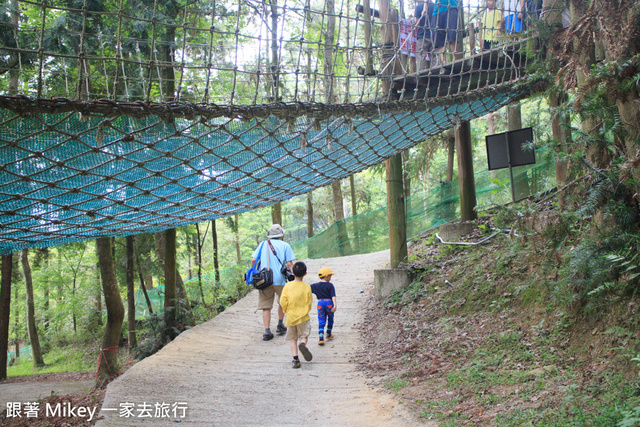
x=520, y=152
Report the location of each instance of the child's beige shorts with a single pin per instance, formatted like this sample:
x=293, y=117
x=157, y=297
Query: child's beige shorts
x=265, y=296
x=301, y=330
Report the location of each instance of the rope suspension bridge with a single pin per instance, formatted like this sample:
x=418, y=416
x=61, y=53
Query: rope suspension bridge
x=127, y=116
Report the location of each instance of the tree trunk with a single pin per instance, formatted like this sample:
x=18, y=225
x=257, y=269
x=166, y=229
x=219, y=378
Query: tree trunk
x=236, y=218
x=395, y=211
x=170, y=273
x=16, y=324
x=5, y=310
x=310, y=214
x=108, y=362
x=131, y=298
x=596, y=151
x=276, y=213
x=389, y=37
x=329, y=36
x=558, y=131
x=465, y=172
x=366, y=11
x=169, y=72
x=352, y=185
x=451, y=146
x=98, y=288
x=189, y=264
x=344, y=248
x=310, y=244
x=180, y=290
x=14, y=72
x=141, y=279
x=199, y=244
x=44, y=252
x=31, y=316
x=354, y=214
x=275, y=62
x=216, y=255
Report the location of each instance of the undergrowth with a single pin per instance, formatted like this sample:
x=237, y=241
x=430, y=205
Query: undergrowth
x=536, y=327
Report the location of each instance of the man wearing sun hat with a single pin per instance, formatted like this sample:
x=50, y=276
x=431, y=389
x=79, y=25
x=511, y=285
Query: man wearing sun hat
x=278, y=253
x=326, y=294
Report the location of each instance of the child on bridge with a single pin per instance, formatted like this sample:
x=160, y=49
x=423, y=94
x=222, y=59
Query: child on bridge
x=326, y=294
x=296, y=302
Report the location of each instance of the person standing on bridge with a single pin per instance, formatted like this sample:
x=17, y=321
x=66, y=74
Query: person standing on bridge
x=296, y=301
x=490, y=25
x=279, y=253
x=424, y=45
x=444, y=26
x=514, y=12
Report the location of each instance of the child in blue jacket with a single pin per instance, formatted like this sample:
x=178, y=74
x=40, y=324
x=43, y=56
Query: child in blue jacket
x=326, y=294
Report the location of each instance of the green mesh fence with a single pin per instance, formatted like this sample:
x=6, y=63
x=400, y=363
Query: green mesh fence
x=212, y=289
x=24, y=352
x=369, y=232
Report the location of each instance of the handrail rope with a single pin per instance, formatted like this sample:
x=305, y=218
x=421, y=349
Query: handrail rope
x=26, y=106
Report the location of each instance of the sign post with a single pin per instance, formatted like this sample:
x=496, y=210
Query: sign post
x=506, y=150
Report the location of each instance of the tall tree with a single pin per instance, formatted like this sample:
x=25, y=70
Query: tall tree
x=396, y=211
x=276, y=213
x=559, y=127
x=344, y=247
x=108, y=362
x=31, y=319
x=5, y=310
x=16, y=324
x=199, y=244
x=216, y=254
x=236, y=232
x=451, y=153
x=131, y=301
x=170, y=274
x=181, y=292
x=141, y=277
x=465, y=172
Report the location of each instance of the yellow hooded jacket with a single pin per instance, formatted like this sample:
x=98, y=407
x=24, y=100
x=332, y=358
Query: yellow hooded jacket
x=296, y=301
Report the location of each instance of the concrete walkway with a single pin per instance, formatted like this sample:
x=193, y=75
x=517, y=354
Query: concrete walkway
x=224, y=374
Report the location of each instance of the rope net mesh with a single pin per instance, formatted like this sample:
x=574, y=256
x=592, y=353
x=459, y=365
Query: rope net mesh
x=127, y=116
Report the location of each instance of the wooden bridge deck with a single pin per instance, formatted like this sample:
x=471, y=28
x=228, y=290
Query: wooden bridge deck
x=498, y=65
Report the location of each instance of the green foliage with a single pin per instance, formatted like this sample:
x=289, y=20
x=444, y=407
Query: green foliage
x=79, y=357
x=631, y=417
x=398, y=384
x=406, y=295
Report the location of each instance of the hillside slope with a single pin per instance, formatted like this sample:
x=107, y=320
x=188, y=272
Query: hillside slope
x=502, y=334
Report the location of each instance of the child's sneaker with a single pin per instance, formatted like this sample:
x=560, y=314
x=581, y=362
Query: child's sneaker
x=321, y=341
x=330, y=336
x=296, y=363
x=305, y=352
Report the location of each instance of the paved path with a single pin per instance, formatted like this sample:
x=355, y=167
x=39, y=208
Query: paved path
x=34, y=391
x=226, y=375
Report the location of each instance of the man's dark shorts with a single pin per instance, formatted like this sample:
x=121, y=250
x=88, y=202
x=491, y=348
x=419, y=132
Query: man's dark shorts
x=444, y=26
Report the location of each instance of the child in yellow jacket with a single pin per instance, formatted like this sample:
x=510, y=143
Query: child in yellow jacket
x=296, y=302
